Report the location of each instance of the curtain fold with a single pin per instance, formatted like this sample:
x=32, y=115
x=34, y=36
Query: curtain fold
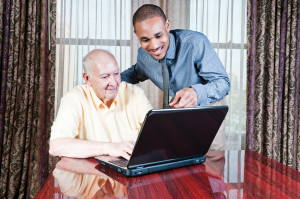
x=27, y=95
x=273, y=80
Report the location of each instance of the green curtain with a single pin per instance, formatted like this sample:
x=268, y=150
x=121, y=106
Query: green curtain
x=273, y=106
x=27, y=94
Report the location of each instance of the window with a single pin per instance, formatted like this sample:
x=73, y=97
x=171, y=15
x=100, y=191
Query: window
x=83, y=25
x=224, y=23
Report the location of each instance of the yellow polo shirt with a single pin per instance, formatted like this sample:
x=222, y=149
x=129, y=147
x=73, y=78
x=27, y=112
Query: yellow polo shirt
x=83, y=115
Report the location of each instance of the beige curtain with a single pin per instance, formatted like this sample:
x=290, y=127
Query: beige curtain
x=107, y=25
x=83, y=25
x=224, y=23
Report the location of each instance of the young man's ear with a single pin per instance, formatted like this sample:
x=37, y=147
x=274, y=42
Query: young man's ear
x=168, y=25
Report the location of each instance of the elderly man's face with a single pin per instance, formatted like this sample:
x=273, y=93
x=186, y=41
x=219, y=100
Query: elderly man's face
x=153, y=35
x=105, y=79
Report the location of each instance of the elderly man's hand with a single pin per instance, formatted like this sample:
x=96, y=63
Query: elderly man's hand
x=121, y=149
x=184, y=98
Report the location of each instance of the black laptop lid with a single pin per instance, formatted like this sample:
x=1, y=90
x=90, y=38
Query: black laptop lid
x=174, y=134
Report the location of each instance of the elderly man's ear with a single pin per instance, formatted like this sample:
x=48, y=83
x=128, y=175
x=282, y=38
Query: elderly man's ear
x=86, y=78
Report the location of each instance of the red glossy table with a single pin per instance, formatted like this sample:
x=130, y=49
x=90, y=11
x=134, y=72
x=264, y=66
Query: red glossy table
x=229, y=174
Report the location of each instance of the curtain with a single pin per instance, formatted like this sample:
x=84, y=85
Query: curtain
x=224, y=23
x=273, y=80
x=27, y=95
x=84, y=25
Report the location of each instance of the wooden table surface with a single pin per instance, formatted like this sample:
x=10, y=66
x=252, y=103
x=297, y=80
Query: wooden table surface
x=229, y=174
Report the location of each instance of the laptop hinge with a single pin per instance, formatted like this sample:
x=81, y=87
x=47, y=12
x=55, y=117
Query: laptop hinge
x=140, y=167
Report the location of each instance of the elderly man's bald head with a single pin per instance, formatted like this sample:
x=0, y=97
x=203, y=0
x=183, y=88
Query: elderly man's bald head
x=96, y=57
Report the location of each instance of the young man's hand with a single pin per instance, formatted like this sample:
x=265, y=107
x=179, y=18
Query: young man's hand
x=184, y=98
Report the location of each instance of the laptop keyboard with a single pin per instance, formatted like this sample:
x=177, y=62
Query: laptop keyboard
x=121, y=162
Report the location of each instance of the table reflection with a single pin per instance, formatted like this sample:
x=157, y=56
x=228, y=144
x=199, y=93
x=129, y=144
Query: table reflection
x=85, y=178
x=215, y=162
x=87, y=185
x=229, y=174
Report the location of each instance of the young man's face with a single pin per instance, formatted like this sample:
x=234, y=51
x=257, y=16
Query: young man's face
x=153, y=35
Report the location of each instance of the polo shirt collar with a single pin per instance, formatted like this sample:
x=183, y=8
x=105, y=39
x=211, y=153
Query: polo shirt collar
x=172, y=47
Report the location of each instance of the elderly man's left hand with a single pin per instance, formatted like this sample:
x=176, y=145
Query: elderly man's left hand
x=184, y=98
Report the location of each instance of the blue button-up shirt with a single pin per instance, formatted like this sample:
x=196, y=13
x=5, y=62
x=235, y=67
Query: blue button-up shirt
x=192, y=62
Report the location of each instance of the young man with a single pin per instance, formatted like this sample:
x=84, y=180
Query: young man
x=101, y=117
x=196, y=74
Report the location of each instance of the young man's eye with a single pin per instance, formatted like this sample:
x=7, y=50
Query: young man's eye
x=158, y=36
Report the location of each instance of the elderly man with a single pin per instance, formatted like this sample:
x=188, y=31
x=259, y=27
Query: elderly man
x=101, y=117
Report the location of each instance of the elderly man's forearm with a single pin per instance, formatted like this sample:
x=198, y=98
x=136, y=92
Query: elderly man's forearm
x=70, y=147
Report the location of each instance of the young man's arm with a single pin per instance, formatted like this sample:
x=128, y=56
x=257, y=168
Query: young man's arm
x=130, y=75
x=211, y=69
x=134, y=74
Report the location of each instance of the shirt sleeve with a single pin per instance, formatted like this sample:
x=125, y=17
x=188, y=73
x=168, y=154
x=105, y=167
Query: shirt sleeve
x=134, y=74
x=211, y=69
x=130, y=75
x=68, y=118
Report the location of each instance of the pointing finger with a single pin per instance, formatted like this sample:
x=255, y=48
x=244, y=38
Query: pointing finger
x=175, y=99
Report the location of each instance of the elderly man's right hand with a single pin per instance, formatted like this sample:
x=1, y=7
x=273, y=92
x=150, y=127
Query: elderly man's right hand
x=121, y=149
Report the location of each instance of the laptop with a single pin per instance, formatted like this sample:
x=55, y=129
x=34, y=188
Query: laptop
x=170, y=138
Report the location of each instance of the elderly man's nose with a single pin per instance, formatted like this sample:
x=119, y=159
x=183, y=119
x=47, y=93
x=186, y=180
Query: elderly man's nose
x=113, y=81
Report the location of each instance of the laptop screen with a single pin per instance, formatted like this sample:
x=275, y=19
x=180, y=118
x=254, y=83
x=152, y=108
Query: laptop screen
x=172, y=134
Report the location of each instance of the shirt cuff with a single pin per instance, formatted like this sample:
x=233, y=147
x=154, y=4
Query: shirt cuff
x=201, y=94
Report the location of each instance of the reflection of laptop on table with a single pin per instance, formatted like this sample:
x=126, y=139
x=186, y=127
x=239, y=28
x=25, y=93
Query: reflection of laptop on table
x=171, y=138
x=191, y=182
x=153, y=178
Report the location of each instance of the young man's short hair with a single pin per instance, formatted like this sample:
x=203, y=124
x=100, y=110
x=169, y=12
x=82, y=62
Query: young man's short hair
x=148, y=11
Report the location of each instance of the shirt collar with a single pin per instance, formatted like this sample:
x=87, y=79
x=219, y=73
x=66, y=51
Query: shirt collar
x=99, y=102
x=172, y=48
